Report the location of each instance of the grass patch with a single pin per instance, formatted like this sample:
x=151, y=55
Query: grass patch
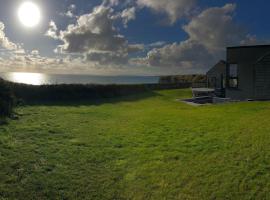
x=151, y=148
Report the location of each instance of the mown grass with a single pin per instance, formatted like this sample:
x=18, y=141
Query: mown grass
x=151, y=148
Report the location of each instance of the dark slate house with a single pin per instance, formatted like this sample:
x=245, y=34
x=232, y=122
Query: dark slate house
x=247, y=73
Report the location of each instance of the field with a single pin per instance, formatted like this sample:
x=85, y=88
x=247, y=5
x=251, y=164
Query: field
x=147, y=146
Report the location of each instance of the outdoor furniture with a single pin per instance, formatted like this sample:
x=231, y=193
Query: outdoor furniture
x=203, y=92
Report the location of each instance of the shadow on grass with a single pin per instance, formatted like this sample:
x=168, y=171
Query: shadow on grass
x=97, y=101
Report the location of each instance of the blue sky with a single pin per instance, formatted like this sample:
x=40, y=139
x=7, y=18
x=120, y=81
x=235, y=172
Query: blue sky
x=142, y=37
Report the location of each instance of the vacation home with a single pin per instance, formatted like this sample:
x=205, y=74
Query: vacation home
x=244, y=75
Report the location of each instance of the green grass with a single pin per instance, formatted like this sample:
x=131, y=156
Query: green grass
x=145, y=147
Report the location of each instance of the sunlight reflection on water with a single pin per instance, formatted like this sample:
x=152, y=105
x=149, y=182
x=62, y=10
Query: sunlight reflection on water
x=27, y=78
x=41, y=79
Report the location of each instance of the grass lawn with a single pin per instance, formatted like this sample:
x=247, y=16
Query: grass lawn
x=144, y=147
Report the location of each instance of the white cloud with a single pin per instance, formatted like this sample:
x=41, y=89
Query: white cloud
x=134, y=48
x=128, y=15
x=52, y=31
x=209, y=34
x=19, y=50
x=70, y=12
x=4, y=41
x=94, y=31
x=175, y=9
x=112, y=2
x=107, y=58
x=125, y=16
x=157, y=44
x=95, y=36
x=94, y=42
x=35, y=52
x=33, y=62
x=187, y=56
x=215, y=29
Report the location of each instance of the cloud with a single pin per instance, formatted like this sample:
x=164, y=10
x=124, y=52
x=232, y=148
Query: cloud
x=107, y=58
x=52, y=31
x=94, y=31
x=112, y=2
x=209, y=34
x=35, y=52
x=93, y=41
x=215, y=29
x=70, y=12
x=134, y=48
x=174, y=9
x=4, y=41
x=128, y=15
x=95, y=36
x=66, y=64
x=157, y=44
x=33, y=62
x=187, y=55
x=125, y=16
x=19, y=50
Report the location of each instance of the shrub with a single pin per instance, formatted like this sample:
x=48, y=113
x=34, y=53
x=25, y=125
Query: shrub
x=6, y=99
x=76, y=92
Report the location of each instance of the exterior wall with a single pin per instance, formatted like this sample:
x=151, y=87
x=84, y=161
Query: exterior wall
x=216, y=73
x=262, y=78
x=245, y=58
x=245, y=83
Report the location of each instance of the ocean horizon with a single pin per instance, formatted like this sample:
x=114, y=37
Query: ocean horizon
x=51, y=79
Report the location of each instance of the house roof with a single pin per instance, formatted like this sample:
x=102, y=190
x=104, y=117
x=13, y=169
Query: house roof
x=222, y=61
x=217, y=65
x=252, y=46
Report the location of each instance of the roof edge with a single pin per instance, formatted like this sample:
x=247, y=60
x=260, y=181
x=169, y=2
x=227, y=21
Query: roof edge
x=222, y=61
x=251, y=46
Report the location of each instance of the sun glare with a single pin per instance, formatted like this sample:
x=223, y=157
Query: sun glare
x=29, y=14
x=27, y=78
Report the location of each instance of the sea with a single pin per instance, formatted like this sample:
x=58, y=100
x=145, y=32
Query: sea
x=50, y=79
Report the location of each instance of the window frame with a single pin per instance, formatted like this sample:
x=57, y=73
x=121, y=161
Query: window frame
x=230, y=77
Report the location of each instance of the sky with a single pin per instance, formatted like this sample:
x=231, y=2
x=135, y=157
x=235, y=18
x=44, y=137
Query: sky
x=128, y=37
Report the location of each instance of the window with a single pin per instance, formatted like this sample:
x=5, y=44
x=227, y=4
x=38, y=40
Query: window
x=223, y=82
x=233, y=76
x=213, y=82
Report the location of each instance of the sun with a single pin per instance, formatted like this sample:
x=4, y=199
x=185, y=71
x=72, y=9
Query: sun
x=29, y=14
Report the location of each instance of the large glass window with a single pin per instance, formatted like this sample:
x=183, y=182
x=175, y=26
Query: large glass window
x=233, y=76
